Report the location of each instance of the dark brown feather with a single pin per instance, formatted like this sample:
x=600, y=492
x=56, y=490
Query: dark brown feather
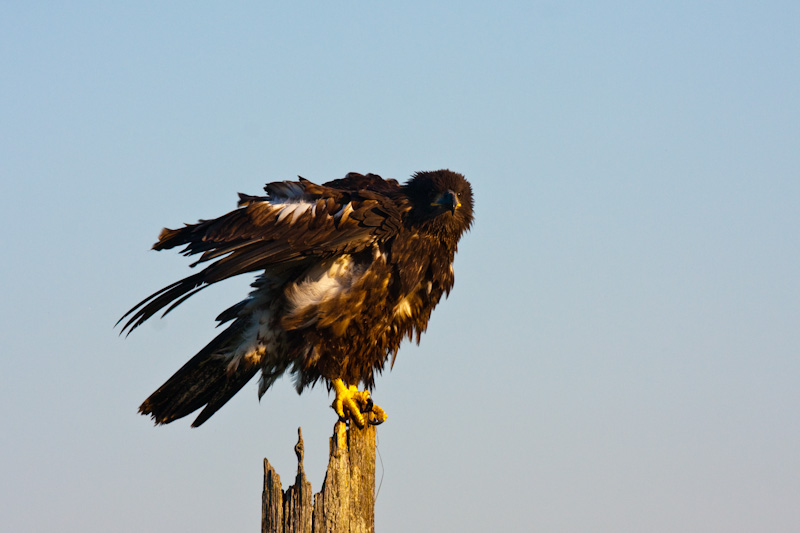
x=348, y=270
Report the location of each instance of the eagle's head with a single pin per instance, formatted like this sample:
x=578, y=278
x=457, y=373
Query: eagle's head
x=441, y=202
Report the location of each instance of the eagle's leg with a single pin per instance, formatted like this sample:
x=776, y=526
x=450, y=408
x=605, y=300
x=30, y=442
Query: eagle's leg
x=356, y=405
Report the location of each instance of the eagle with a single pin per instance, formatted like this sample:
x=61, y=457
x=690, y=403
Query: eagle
x=346, y=271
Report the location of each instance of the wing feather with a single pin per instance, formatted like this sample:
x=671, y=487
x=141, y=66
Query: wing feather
x=296, y=221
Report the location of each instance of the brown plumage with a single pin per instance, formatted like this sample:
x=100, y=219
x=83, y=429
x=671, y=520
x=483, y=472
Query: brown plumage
x=348, y=270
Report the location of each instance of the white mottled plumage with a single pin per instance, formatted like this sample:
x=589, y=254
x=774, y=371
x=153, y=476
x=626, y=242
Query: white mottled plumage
x=257, y=340
x=324, y=282
x=294, y=208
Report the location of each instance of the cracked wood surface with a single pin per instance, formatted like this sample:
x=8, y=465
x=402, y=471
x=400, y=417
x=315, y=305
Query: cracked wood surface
x=346, y=503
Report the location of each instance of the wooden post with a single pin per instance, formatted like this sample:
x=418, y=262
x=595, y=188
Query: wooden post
x=346, y=503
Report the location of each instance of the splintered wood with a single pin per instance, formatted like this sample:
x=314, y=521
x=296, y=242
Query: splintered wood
x=346, y=503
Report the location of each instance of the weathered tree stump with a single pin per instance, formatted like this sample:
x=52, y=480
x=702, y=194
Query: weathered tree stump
x=346, y=502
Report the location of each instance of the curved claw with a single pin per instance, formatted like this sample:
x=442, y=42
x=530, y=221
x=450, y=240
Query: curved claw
x=353, y=404
x=377, y=415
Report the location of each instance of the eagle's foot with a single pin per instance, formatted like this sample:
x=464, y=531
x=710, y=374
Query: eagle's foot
x=355, y=405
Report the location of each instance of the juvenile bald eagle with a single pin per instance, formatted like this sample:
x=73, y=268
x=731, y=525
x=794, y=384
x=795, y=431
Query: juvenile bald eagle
x=348, y=270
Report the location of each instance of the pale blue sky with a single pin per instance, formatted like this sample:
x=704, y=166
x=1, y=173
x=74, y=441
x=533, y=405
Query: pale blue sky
x=621, y=352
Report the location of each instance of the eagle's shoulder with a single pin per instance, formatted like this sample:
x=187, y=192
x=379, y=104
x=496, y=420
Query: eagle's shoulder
x=354, y=181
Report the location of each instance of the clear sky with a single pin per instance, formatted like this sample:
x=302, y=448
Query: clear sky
x=621, y=352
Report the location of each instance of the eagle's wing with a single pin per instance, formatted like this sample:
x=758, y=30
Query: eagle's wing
x=295, y=222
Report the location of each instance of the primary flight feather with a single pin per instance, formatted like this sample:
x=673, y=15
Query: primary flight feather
x=348, y=269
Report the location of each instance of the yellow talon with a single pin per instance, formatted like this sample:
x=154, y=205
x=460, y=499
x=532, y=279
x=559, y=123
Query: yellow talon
x=356, y=405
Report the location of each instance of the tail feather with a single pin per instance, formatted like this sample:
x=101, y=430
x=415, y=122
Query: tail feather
x=204, y=381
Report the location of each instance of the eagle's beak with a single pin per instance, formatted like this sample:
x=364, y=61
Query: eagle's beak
x=449, y=200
